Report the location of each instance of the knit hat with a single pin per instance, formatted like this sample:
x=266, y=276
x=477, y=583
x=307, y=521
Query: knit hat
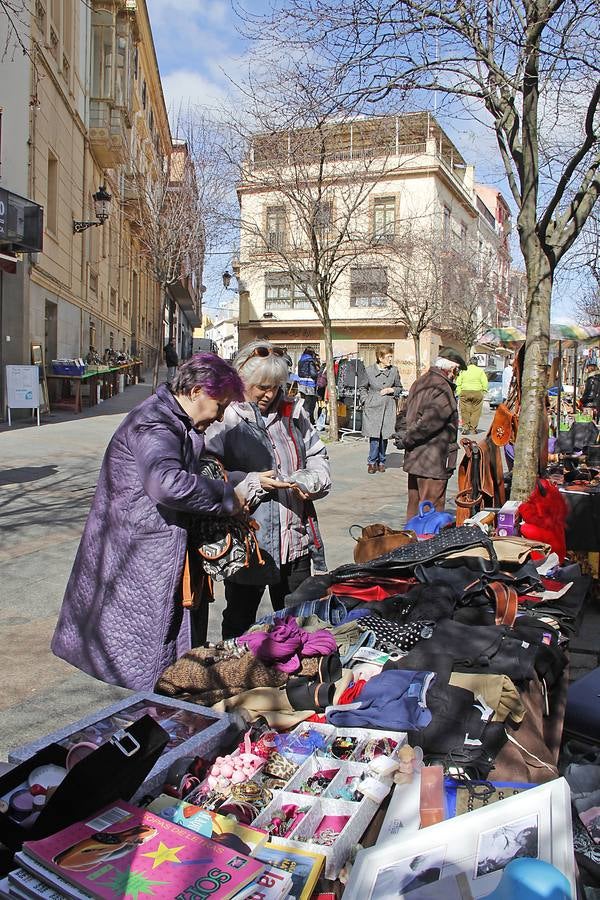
x=453, y=355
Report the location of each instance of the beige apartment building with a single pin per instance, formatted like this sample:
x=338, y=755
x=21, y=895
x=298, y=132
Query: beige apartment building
x=94, y=114
x=378, y=178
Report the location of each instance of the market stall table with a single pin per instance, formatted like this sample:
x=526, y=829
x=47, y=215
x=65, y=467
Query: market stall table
x=66, y=390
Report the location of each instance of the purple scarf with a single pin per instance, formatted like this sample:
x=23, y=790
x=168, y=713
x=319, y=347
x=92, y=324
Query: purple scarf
x=286, y=643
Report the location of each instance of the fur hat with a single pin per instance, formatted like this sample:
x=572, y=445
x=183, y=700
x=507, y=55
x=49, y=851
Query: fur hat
x=453, y=355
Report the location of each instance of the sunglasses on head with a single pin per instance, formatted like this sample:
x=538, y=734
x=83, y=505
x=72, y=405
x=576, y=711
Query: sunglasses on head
x=263, y=352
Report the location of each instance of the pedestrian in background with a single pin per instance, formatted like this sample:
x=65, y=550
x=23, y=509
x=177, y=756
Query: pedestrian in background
x=431, y=436
x=471, y=386
x=507, y=374
x=379, y=400
x=308, y=371
x=270, y=434
x=590, y=399
x=122, y=618
x=172, y=360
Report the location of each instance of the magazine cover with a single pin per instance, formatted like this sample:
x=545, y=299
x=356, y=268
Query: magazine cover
x=31, y=886
x=31, y=866
x=304, y=866
x=126, y=852
x=273, y=884
x=226, y=831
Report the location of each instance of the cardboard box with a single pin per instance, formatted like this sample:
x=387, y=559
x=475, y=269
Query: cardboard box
x=508, y=519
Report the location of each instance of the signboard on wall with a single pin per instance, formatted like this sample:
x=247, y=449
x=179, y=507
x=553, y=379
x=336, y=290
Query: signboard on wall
x=22, y=387
x=21, y=222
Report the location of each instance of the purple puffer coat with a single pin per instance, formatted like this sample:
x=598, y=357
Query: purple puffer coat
x=121, y=620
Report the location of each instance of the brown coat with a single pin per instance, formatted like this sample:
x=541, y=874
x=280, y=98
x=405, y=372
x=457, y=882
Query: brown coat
x=430, y=441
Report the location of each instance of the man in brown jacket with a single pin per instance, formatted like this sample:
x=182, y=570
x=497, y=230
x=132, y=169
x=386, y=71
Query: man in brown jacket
x=431, y=439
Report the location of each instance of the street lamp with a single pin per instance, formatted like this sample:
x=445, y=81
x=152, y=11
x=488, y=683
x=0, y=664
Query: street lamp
x=102, y=200
x=226, y=279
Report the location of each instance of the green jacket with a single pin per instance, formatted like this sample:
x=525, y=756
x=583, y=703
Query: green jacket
x=474, y=379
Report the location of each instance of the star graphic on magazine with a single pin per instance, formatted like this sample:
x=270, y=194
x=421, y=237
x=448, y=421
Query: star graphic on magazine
x=164, y=854
x=132, y=884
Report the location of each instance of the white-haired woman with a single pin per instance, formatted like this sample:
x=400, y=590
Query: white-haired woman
x=271, y=435
x=431, y=438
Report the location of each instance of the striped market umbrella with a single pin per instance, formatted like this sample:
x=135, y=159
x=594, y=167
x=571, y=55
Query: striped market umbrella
x=566, y=331
x=508, y=334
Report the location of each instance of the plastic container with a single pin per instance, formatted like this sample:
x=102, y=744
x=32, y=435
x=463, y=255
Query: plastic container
x=66, y=368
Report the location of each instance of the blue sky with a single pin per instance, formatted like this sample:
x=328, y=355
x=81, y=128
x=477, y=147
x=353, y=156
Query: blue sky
x=198, y=44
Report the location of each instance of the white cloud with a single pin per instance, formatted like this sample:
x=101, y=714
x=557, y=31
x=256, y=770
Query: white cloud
x=184, y=86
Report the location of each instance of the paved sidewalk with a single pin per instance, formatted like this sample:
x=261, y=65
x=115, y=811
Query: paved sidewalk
x=47, y=480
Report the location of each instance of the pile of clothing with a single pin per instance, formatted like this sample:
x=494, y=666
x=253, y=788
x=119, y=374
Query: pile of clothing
x=460, y=641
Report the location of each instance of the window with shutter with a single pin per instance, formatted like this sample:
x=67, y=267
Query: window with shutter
x=368, y=286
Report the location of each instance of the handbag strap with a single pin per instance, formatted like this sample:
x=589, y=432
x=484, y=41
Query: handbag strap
x=194, y=589
x=425, y=506
x=357, y=539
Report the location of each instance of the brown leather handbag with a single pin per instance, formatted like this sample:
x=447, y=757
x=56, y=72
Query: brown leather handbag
x=505, y=423
x=504, y=426
x=375, y=540
x=480, y=478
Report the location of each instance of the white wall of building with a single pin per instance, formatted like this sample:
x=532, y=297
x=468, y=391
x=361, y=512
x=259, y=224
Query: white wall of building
x=14, y=101
x=421, y=198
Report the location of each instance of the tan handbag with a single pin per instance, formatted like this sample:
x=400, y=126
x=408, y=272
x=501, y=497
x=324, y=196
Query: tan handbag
x=375, y=540
x=517, y=550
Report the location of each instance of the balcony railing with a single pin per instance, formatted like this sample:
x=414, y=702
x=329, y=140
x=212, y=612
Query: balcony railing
x=108, y=133
x=347, y=155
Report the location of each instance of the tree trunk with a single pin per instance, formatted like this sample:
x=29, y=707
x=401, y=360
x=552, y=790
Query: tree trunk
x=159, y=349
x=417, y=342
x=333, y=416
x=532, y=419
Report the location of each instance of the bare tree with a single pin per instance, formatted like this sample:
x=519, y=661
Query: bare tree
x=163, y=207
x=433, y=285
x=586, y=263
x=416, y=283
x=315, y=228
x=15, y=18
x=527, y=67
x=468, y=305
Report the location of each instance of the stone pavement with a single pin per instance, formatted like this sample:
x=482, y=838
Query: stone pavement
x=47, y=479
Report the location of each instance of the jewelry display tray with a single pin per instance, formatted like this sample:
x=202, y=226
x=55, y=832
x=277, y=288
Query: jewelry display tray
x=327, y=804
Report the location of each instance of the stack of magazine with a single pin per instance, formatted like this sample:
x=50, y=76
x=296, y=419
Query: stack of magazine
x=172, y=849
x=124, y=851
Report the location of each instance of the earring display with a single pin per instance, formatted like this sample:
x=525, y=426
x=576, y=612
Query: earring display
x=343, y=747
x=376, y=747
x=319, y=782
x=329, y=829
x=284, y=821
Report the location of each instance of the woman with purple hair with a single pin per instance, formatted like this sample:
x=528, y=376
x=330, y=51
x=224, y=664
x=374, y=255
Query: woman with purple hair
x=122, y=619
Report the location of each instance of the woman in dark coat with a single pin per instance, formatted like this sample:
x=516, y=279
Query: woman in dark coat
x=379, y=398
x=122, y=619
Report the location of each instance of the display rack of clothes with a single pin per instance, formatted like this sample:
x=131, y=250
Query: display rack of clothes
x=351, y=376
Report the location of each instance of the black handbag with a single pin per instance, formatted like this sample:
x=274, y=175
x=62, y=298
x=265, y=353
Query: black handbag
x=114, y=771
x=579, y=435
x=225, y=544
x=446, y=542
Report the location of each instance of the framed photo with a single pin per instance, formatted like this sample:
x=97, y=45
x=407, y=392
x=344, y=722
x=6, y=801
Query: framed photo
x=466, y=859
x=411, y=873
x=514, y=840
